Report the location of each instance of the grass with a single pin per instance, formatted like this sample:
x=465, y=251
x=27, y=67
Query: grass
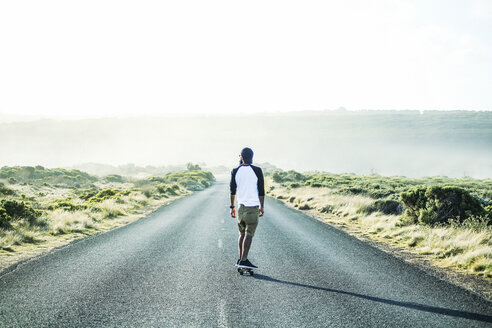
x=465, y=247
x=36, y=213
x=63, y=222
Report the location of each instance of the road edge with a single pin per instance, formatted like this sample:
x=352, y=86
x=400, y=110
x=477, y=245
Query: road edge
x=471, y=283
x=55, y=245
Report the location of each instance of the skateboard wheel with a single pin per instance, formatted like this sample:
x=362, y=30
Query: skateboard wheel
x=241, y=273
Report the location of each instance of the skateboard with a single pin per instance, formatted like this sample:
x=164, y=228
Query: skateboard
x=246, y=271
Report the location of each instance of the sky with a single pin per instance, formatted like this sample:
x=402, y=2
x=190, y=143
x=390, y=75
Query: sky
x=107, y=58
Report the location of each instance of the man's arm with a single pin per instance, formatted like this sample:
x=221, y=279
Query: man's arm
x=262, y=210
x=232, y=184
x=233, y=188
x=261, y=190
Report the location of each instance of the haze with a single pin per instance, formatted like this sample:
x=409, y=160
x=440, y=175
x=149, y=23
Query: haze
x=408, y=143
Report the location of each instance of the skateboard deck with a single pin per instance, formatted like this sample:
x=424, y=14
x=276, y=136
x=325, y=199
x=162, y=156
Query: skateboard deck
x=247, y=271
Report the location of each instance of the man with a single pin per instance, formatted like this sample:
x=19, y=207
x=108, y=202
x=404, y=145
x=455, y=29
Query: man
x=247, y=181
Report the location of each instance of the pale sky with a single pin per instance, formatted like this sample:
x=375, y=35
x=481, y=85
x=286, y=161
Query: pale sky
x=159, y=57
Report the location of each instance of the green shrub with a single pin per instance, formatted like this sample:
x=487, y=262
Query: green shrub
x=386, y=206
x=432, y=205
x=168, y=189
x=173, y=189
x=40, y=175
x=6, y=191
x=488, y=210
x=67, y=205
x=161, y=188
x=5, y=219
x=352, y=191
x=191, y=180
x=108, y=193
x=114, y=178
x=277, y=177
x=327, y=209
x=288, y=176
x=86, y=194
x=16, y=210
x=193, y=167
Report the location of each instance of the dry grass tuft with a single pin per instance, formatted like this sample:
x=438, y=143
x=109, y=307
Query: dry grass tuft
x=63, y=222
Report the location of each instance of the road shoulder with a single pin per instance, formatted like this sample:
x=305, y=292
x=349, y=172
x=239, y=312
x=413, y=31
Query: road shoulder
x=473, y=283
x=27, y=252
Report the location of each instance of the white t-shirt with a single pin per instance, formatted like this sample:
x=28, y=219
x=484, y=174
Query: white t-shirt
x=247, y=186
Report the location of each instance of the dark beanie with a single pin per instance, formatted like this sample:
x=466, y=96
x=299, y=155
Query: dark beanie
x=247, y=154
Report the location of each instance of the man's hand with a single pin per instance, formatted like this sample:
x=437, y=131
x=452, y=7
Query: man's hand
x=261, y=211
x=233, y=212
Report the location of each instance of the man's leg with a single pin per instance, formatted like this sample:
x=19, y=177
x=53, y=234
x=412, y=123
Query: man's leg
x=240, y=244
x=246, y=245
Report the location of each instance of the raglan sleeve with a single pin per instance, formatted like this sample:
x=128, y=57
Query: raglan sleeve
x=261, y=183
x=232, y=184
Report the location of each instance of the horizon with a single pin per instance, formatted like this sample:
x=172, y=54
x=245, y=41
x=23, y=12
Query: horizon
x=14, y=118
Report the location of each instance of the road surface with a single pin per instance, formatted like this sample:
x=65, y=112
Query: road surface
x=175, y=268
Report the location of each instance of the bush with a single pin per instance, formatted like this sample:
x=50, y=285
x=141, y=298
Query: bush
x=114, y=178
x=193, y=167
x=68, y=206
x=40, y=175
x=432, y=205
x=168, y=189
x=6, y=191
x=108, y=194
x=161, y=188
x=289, y=176
x=191, y=180
x=327, y=209
x=12, y=210
x=352, y=191
x=386, y=206
x=5, y=219
x=86, y=194
x=488, y=210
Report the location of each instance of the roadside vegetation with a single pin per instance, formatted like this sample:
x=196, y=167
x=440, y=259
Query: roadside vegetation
x=38, y=204
x=448, y=220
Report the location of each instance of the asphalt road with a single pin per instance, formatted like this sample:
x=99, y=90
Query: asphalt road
x=176, y=269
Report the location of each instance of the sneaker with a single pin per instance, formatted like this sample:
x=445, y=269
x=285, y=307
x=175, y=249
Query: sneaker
x=237, y=262
x=247, y=265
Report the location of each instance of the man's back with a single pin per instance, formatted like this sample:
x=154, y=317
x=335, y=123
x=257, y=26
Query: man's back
x=247, y=182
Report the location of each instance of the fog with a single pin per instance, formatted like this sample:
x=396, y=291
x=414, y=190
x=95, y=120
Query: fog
x=407, y=143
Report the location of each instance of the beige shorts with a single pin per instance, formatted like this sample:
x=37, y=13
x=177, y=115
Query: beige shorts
x=247, y=219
